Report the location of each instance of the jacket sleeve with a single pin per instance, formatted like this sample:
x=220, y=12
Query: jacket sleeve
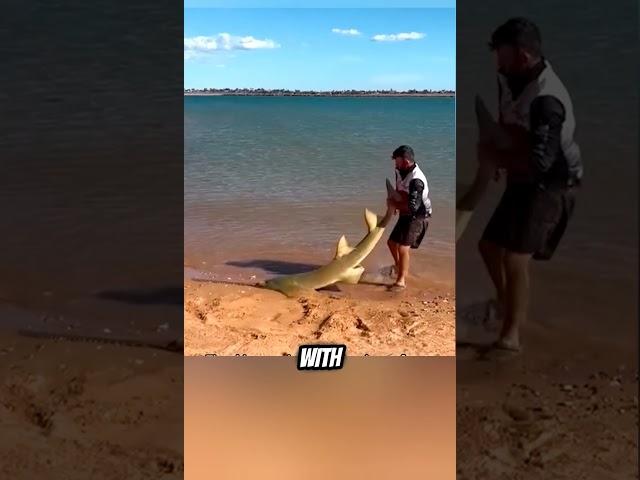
x=416, y=187
x=546, y=118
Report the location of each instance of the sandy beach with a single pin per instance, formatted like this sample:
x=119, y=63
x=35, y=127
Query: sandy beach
x=228, y=319
x=563, y=409
x=566, y=407
x=270, y=218
x=76, y=410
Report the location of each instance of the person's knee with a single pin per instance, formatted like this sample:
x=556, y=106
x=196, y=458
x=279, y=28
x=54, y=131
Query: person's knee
x=516, y=263
x=404, y=250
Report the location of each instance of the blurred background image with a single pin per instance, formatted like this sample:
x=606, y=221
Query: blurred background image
x=566, y=405
x=378, y=418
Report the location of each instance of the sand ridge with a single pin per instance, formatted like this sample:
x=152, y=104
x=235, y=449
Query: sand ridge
x=75, y=410
x=557, y=410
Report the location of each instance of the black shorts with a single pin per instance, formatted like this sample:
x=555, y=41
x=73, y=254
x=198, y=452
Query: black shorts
x=531, y=220
x=409, y=231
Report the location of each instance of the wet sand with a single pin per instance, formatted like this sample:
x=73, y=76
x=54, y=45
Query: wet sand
x=564, y=408
x=79, y=385
x=81, y=410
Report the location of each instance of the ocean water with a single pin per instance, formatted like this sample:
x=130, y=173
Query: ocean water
x=268, y=179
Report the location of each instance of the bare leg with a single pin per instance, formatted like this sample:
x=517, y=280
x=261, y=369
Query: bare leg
x=517, y=298
x=493, y=257
x=403, y=271
x=393, y=248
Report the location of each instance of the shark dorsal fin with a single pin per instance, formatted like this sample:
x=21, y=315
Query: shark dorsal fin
x=343, y=247
x=391, y=191
x=371, y=219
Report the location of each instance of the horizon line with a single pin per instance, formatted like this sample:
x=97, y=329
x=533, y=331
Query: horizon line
x=325, y=90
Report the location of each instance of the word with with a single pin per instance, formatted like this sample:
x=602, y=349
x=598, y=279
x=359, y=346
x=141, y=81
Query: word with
x=321, y=357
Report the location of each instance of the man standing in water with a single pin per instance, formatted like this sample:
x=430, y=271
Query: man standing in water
x=414, y=206
x=543, y=167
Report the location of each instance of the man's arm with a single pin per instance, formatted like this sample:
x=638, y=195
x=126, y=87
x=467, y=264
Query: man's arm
x=546, y=118
x=416, y=187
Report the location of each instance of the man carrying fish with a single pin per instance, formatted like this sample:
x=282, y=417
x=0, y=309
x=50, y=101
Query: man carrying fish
x=543, y=168
x=410, y=198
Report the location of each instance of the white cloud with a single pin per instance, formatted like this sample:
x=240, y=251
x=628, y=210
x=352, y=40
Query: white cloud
x=349, y=32
x=221, y=65
x=398, y=37
x=195, y=46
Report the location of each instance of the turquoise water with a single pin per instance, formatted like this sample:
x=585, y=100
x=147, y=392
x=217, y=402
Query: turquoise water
x=278, y=176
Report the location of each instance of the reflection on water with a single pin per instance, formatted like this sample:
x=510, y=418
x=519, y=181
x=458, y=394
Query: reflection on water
x=90, y=192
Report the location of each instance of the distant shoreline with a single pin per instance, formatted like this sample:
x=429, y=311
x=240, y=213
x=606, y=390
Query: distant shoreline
x=319, y=94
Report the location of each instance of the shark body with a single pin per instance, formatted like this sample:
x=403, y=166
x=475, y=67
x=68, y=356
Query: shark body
x=490, y=132
x=392, y=193
x=345, y=267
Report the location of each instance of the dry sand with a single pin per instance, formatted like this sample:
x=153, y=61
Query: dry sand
x=226, y=319
x=76, y=410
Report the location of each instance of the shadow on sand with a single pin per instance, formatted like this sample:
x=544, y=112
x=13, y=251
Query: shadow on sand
x=275, y=266
x=156, y=296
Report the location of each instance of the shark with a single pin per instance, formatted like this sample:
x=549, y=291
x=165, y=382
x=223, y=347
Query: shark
x=490, y=132
x=392, y=193
x=346, y=265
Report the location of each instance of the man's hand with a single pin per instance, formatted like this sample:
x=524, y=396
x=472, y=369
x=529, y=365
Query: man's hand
x=514, y=161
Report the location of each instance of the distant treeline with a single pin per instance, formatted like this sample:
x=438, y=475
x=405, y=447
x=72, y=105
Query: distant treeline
x=284, y=92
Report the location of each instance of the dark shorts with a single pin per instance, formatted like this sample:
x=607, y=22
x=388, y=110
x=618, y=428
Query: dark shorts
x=409, y=231
x=531, y=220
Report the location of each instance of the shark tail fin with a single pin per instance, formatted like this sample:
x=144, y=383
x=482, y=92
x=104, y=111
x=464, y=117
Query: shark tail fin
x=343, y=247
x=371, y=219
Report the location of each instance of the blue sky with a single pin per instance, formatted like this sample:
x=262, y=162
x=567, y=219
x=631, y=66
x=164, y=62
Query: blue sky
x=318, y=3
x=320, y=49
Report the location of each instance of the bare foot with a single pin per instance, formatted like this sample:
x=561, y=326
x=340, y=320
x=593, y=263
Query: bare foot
x=509, y=344
x=401, y=282
x=397, y=287
x=498, y=349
